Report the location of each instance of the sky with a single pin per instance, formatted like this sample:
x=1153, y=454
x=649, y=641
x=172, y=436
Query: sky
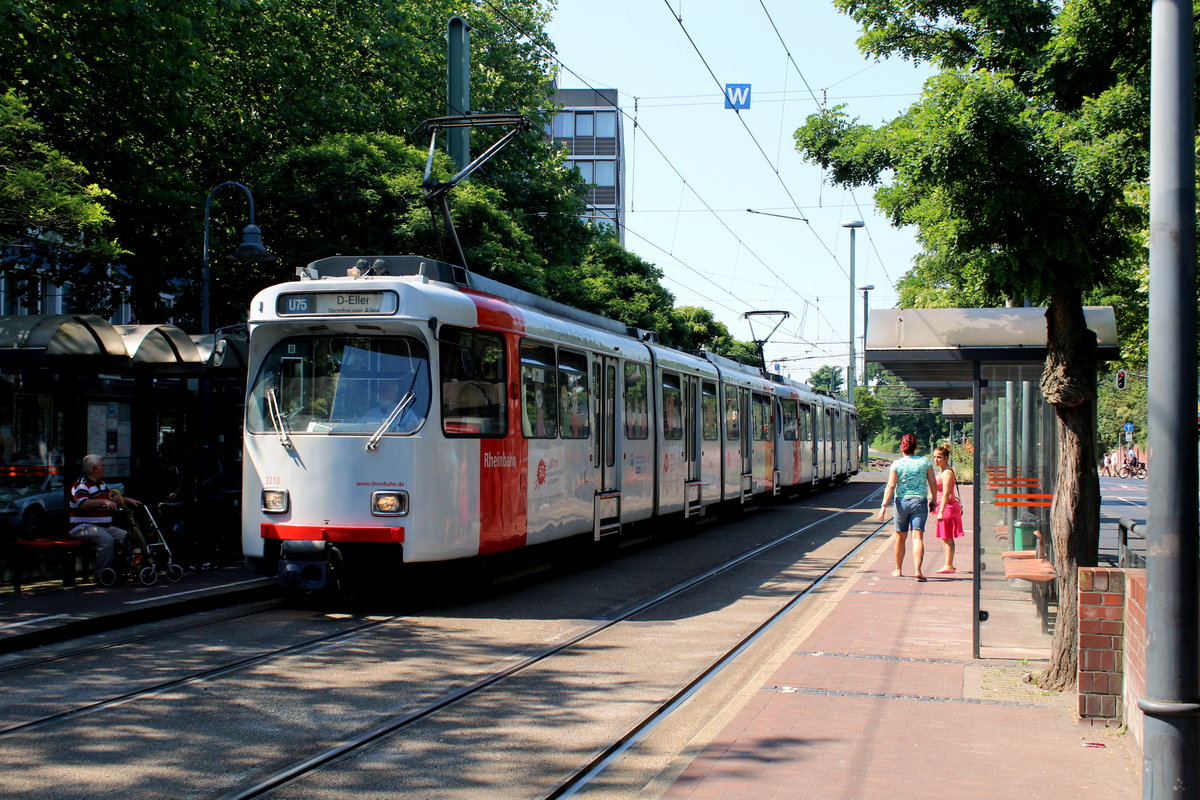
x=693, y=168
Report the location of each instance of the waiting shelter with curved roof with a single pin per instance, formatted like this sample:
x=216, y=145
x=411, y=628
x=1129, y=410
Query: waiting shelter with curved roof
x=75, y=383
x=987, y=363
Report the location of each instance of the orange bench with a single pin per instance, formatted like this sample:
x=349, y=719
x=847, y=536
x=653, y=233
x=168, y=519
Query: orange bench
x=1032, y=566
x=64, y=548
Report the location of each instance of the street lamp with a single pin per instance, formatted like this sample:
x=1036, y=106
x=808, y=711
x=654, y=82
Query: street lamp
x=853, y=225
x=866, y=290
x=250, y=251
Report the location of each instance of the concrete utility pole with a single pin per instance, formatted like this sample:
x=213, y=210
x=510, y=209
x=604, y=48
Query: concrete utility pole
x=1172, y=702
x=853, y=225
x=458, y=89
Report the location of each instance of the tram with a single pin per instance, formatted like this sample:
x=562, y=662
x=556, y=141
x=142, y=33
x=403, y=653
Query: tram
x=401, y=409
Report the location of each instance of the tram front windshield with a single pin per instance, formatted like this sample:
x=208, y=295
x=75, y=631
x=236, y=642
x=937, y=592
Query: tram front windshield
x=340, y=384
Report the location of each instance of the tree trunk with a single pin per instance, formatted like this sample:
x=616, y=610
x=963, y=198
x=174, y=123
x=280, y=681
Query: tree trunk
x=1069, y=384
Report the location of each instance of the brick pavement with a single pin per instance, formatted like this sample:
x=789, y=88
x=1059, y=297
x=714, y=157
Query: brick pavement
x=884, y=700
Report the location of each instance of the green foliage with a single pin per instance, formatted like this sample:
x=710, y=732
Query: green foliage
x=886, y=442
x=162, y=101
x=870, y=413
x=52, y=222
x=827, y=378
x=962, y=459
x=315, y=106
x=696, y=329
x=1116, y=407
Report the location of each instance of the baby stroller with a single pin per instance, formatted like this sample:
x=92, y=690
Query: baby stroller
x=145, y=552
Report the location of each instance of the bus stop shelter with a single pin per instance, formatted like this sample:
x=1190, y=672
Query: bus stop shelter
x=990, y=361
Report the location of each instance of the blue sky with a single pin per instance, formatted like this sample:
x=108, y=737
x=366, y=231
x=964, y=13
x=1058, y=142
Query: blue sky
x=686, y=205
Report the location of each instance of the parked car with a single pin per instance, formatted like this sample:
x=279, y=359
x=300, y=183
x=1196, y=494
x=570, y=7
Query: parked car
x=30, y=497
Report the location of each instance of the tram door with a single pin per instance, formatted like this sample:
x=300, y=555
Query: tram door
x=691, y=444
x=815, y=441
x=747, y=445
x=607, y=512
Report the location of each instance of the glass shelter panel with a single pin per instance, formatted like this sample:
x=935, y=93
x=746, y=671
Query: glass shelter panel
x=1015, y=448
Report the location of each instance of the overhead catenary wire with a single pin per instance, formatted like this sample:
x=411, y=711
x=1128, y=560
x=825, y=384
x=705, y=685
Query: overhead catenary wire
x=757, y=144
x=707, y=207
x=654, y=144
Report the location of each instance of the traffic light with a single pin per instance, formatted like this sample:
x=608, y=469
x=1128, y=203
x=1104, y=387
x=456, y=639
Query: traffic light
x=1120, y=379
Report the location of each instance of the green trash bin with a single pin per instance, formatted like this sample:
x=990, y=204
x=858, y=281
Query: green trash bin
x=1023, y=538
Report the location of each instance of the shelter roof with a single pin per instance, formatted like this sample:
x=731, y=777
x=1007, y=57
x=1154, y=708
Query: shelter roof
x=933, y=350
x=85, y=342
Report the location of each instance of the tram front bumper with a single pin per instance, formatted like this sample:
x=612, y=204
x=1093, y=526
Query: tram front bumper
x=306, y=564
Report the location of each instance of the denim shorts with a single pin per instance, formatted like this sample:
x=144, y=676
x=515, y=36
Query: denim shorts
x=911, y=511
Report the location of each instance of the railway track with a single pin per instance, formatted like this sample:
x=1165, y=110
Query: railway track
x=460, y=690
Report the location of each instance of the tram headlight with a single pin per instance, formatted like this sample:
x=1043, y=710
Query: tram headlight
x=389, y=504
x=275, y=501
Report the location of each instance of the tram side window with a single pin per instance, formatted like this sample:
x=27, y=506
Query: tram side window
x=806, y=433
x=573, y=394
x=672, y=406
x=539, y=391
x=473, y=383
x=733, y=430
x=791, y=420
x=711, y=428
x=762, y=417
x=637, y=401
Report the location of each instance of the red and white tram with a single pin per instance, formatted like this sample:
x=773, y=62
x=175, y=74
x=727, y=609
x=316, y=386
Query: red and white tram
x=403, y=410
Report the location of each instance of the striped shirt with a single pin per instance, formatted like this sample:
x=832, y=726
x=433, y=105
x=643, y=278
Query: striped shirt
x=84, y=489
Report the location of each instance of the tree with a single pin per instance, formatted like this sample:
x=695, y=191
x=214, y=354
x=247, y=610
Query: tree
x=870, y=413
x=1014, y=166
x=162, y=101
x=826, y=378
x=52, y=222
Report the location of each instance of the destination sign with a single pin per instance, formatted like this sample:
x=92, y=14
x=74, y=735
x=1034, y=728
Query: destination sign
x=336, y=303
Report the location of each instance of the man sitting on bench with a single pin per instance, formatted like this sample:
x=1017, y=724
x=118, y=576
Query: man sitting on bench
x=91, y=512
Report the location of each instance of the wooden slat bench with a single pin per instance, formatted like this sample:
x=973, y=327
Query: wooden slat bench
x=64, y=548
x=1032, y=566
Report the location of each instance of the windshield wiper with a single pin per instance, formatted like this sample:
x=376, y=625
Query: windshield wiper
x=404, y=403
x=277, y=419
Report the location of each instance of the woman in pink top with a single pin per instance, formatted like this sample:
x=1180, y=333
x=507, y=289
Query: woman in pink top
x=949, y=507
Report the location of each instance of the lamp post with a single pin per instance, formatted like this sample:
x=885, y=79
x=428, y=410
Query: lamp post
x=853, y=225
x=866, y=290
x=250, y=251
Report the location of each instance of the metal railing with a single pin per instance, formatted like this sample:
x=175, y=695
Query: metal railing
x=1127, y=558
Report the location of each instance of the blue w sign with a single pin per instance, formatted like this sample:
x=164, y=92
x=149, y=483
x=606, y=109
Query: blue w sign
x=737, y=95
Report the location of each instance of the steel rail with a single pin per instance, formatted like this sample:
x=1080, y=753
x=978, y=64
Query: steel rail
x=196, y=677
x=610, y=754
x=394, y=725
x=84, y=651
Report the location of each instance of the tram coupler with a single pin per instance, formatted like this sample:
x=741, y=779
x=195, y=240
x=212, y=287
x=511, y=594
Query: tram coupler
x=308, y=564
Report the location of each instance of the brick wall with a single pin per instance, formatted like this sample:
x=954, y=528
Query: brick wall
x=1101, y=642
x=1135, y=650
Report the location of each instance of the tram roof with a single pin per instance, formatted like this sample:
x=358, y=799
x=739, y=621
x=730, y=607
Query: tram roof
x=933, y=350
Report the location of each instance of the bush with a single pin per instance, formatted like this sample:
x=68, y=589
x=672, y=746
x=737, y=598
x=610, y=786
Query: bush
x=886, y=443
x=963, y=460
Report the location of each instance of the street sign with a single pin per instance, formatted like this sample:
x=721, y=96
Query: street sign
x=737, y=96
x=1129, y=427
x=1129, y=437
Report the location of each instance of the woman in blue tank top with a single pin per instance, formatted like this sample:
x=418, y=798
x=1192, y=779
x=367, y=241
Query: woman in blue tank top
x=912, y=481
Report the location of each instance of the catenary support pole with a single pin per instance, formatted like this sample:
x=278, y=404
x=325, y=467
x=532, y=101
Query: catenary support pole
x=458, y=89
x=1172, y=696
